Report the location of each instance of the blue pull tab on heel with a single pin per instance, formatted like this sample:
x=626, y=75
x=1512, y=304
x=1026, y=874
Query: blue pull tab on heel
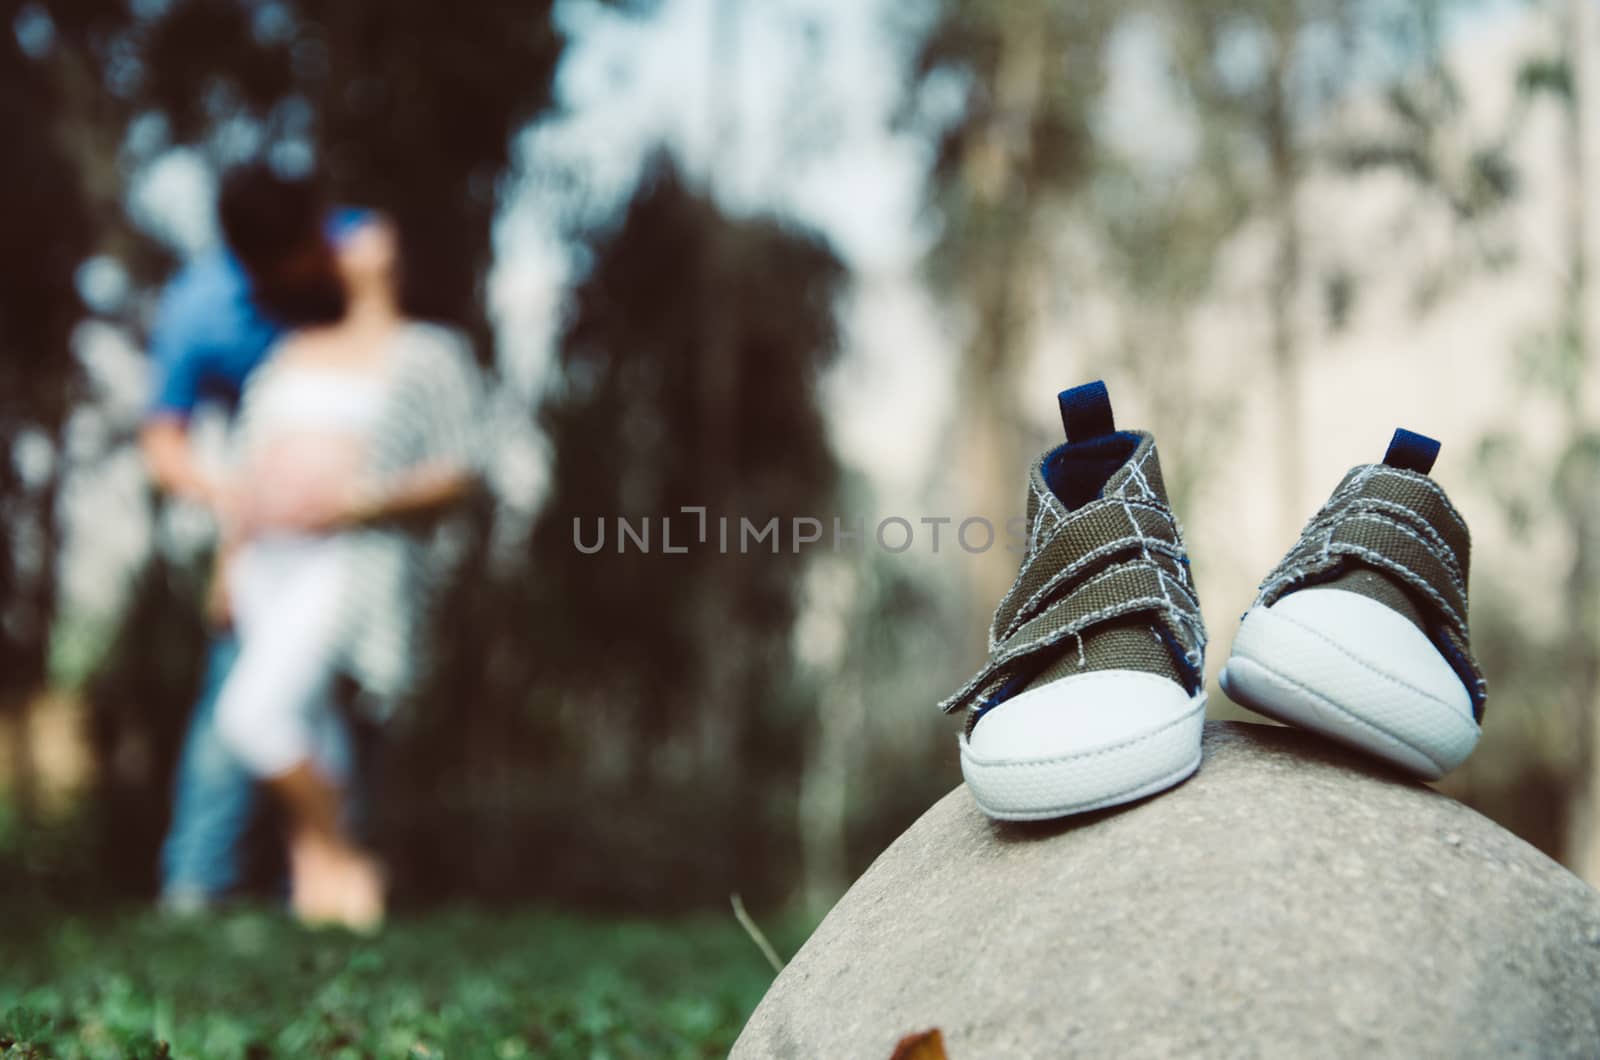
x=1410, y=451
x=1086, y=411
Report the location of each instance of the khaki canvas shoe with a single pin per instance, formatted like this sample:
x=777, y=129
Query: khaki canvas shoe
x=1093, y=694
x=1361, y=632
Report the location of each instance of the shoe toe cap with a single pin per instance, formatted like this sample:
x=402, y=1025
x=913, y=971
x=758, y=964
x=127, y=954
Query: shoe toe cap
x=1081, y=714
x=1380, y=639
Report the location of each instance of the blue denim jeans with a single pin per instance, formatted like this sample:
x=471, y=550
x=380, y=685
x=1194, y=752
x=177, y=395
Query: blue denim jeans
x=213, y=800
x=215, y=795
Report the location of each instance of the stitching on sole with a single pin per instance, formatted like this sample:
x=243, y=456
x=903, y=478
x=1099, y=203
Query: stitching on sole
x=1144, y=790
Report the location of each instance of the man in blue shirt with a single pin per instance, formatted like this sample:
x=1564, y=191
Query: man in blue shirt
x=214, y=327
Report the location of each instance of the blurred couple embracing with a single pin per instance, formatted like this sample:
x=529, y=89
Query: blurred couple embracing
x=354, y=433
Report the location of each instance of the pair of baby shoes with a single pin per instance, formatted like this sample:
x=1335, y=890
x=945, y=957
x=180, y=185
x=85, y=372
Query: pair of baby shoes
x=1094, y=693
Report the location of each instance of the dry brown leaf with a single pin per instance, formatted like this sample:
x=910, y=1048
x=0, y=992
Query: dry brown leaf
x=924, y=1045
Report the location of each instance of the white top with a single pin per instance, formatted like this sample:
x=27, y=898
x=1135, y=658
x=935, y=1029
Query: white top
x=302, y=397
x=304, y=428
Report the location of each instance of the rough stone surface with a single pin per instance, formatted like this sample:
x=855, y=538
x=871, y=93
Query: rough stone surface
x=1288, y=901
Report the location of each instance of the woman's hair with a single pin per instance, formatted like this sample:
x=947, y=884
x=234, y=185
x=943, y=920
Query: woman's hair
x=302, y=299
x=267, y=219
x=278, y=229
x=273, y=225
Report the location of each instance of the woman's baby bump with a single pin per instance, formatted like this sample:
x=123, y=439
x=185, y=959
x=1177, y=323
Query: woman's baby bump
x=304, y=471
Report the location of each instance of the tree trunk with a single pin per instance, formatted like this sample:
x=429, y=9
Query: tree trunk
x=824, y=801
x=35, y=620
x=721, y=643
x=998, y=171
x=1284, y=284
x=1583, y=582
x=992, y=460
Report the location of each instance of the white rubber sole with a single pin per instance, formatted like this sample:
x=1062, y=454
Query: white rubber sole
x=1349, y=668
x=1025, y=788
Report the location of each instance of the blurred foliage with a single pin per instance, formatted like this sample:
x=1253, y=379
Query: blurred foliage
x=697, y=393
x=631, y=699
x=452, y=983
x=1024, y=77
x=1529, y=765
x=141, y=694
x=401, y=110
x=47, y=234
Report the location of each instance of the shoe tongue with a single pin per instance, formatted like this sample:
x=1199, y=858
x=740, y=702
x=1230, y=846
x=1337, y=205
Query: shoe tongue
x=1094, y=454
x=1086, y=411
x=1410, y=451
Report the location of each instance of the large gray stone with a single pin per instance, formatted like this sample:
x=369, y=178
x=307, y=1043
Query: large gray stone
x=1288, y=901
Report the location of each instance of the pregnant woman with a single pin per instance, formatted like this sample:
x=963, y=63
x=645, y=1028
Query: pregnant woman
x=353, y=438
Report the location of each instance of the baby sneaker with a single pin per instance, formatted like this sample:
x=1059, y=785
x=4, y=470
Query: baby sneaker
x=1361, y=632
x=1093, y=694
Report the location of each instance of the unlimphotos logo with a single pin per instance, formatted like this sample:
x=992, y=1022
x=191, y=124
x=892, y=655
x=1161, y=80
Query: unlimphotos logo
x=742, y=535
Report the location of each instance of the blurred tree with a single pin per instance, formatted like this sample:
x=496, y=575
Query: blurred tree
x=679, y=666
x=1008, y=93
x=1005, y=91
x=1576, y=477
x=401, y=105
x=1262, y=77
x=1151, y=239
x=48, y=230
x=1422, y=130
x=872, y=763
x=142, y=691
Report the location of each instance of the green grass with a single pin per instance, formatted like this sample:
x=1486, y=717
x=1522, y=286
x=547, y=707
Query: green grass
x=455, y=983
